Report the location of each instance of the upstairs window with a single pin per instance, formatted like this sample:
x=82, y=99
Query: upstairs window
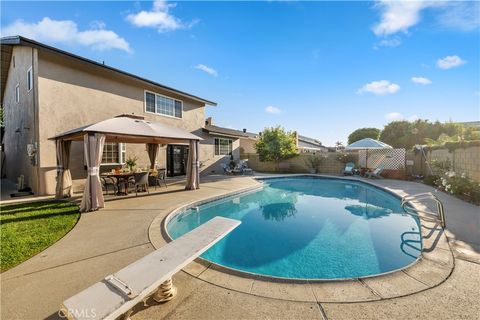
x=155, y=103
x=17, y=93
x=114, y=153
x=29, y=79
x=223, y=147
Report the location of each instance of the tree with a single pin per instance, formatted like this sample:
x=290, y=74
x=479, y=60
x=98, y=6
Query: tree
x=276, y=144
x=363, y=133
x=405, y=134
x=396, y=134
x=339, y=145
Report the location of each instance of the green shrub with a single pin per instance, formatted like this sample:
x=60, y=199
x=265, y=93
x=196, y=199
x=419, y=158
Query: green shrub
x=314, y=161
x=430, y=180
x=346, y=158
x=460, y=186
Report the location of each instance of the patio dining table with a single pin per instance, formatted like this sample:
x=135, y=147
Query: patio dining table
x=120, y=177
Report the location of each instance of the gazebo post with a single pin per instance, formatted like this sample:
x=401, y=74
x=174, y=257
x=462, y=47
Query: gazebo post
x=197, y=163
x=92, y=194
x=192, y=166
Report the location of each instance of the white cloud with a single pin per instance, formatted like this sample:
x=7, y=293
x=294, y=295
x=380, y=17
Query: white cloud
x=379, y=88
x=207, y=69
x=272, y=110
x=397, y=116
x=450, y=62
x=394, y=42
x=461, y=15
x=400, y=16
x=413, y=117
x=159, y=17
x=394, y=116
x=421, y=80
x=66, y=31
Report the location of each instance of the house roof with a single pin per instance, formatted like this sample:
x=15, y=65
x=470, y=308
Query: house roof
x=7, y=43
x=471, y=123
x=228, y=132
x=306, y=142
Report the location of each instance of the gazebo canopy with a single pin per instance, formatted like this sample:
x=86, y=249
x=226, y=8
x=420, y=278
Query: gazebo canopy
x=130, y=129
x=368, y=143
x=123, y=128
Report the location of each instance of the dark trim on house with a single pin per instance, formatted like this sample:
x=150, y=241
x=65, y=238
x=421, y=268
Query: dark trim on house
x=21, y=41
x=228, y=132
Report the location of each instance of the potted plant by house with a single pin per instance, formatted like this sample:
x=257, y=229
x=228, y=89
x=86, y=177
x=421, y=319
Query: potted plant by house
x=232, y=162
x=131, y=163
x=313, y=162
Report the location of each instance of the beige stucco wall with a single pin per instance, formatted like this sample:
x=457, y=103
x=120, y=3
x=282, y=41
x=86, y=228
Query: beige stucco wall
x=73, y=94
x=20, y=128
x=247, y=146
x=209, y=162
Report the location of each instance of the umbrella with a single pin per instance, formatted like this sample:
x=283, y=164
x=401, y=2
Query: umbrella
x=367, y=144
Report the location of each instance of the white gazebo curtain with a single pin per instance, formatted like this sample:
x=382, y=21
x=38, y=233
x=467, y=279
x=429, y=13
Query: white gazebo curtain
x=193, y=175
x=93, y=195
x=152, y=150
x=64, y=178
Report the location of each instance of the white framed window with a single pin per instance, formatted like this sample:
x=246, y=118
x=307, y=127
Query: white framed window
x=223, y=147
x=29, y=79
x=163, y=105
x=17, y=93
x=114, y=153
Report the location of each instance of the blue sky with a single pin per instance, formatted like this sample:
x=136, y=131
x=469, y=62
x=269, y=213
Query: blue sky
x=321, y=68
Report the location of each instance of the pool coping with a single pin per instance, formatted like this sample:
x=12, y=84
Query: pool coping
x=433, y=266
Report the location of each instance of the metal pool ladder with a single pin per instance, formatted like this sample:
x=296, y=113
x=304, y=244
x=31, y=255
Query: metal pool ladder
x=439, y=216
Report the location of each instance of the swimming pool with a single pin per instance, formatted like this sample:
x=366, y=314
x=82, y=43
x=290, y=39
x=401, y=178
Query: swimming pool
x=310, y=228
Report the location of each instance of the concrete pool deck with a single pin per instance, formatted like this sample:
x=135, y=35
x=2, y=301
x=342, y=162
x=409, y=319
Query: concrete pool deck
x=107, y=240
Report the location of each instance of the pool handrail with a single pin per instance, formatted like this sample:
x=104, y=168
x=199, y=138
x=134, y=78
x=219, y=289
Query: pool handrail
x=428, y=215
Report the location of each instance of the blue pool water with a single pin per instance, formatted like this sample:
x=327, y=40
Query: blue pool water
x=310, y=228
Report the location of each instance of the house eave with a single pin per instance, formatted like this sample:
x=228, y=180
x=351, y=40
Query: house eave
x=19, y=41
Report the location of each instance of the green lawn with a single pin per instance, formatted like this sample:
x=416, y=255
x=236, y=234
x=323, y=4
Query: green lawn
x=26, y=229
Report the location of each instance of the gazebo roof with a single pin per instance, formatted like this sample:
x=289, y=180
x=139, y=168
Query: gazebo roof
x=131, y=129
x=368, y=143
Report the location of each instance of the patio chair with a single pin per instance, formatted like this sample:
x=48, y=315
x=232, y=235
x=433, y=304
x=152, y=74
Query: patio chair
x=161, y=178
x=109, y=181
x=238, y=168
x=141, y=180
x=376, y=173
x=246, y=168
x=226, y=169
x=349, y=167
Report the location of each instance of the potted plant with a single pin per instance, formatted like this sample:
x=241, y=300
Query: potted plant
x=131, y=162
x=345, y=158
x=313, y=162
x=232, y=162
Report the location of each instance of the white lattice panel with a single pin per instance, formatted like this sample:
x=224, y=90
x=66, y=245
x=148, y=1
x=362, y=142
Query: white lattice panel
x=394, y=159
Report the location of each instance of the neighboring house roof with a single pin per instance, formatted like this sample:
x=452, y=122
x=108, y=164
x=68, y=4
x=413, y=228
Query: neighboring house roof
x=309, y=143
x=8, y=42
x=471, y=123
x=228, y=132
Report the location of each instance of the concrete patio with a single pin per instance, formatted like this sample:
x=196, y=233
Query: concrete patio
x=105, y=241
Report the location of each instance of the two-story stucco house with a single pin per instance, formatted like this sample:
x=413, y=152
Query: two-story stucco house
x=46, y=91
